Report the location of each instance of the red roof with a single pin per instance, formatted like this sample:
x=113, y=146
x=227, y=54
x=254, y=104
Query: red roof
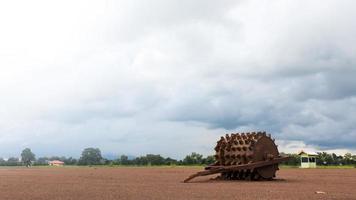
x=56, y=162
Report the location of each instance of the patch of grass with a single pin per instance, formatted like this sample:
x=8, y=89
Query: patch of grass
x=321, y=167
x=337, y=167
x=152, y=166
x=288, y=166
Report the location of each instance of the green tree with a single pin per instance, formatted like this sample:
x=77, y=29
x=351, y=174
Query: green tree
x=335, y=159
x=353, y=160
x=154, y=159
x=2, y=162
x=294, y=159
x=124, y=160
x=193, y=159
x=70, y=161
x=12, y=161
x=324, y=158
x=57, y=158
x=208, y=160
x=347, y=159
x=91, y=156
x=27, y=157
x=42, y=161
x=142, y=160
x=170, y=161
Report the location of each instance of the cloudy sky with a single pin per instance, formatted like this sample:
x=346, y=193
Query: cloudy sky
x=170, y=76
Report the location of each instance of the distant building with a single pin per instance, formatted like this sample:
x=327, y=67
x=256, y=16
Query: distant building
x=56, y=163
x=307, y=160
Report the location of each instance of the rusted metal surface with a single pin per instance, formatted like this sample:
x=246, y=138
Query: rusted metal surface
x=244, y=156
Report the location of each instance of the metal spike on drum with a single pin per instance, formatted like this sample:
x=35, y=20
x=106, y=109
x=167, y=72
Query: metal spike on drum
x=244, y=156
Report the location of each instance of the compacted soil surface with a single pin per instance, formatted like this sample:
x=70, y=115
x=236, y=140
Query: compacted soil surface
x=166, y=183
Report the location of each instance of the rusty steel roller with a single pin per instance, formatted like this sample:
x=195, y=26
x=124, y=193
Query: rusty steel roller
x=244, y=156
x=246, y=148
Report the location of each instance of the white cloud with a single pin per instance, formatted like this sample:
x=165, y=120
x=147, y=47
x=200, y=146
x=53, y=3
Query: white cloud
x=136, y=77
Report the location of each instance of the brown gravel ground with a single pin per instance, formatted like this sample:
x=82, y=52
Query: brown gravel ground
x=166, y=183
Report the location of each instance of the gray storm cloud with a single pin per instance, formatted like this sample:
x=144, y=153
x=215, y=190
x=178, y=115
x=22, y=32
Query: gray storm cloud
x=170, y=77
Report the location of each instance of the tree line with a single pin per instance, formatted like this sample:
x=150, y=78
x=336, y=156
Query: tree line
x=324, y=158
x=92, y=156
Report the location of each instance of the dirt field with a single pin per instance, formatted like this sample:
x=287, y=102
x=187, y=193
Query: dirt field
x=165, y=183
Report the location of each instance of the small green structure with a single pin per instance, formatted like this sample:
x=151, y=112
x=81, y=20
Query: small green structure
x=307, y=160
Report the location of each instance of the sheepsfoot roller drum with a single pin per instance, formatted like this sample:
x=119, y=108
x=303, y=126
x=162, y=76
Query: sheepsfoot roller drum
x=244, y=156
